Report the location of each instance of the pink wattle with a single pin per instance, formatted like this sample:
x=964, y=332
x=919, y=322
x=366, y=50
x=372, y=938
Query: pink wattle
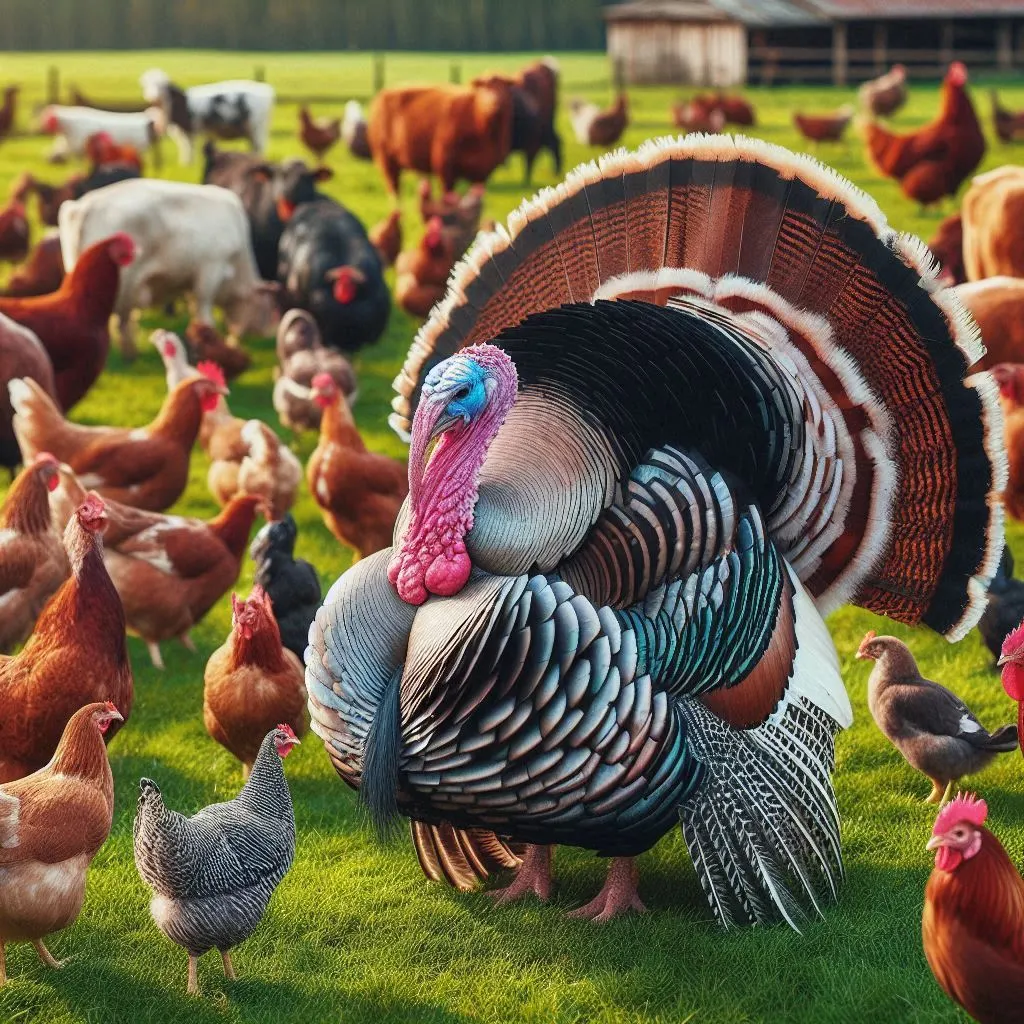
x=432, y=556
x=947, y=858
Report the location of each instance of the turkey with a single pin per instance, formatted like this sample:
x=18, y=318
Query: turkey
x=705, y=348
x=213, y=874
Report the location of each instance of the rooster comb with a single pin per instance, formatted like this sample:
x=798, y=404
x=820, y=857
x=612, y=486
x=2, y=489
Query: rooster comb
x=964, y=807
x=287, y=730
x=212, y=371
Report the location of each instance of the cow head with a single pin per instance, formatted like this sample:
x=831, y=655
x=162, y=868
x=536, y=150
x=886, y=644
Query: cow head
x=295, y=183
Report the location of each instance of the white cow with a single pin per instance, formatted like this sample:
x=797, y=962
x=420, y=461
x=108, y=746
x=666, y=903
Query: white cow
x=225, y=110
x=189, y=239
x=73, y=126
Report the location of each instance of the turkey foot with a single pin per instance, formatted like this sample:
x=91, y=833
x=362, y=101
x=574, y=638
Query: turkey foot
x=618, y=895
x=46, y=956
x=229, y=967
x=534, y=876
x=193, y=976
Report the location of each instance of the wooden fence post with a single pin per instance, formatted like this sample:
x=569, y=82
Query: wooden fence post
x=1004, y=45
x=455, y=73
x=53, y=84
x=260, y=74
x=378, y=72
x=839, y=54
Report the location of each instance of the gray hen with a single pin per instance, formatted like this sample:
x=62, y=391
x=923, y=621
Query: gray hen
x=213, y=874
x=931, y=727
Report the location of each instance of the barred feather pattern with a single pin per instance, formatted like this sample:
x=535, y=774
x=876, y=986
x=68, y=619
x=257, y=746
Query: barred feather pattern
x=213, y=874
x=763, y=830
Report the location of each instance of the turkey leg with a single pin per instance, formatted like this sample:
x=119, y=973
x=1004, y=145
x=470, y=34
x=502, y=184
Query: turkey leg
x=618, y=895
x=534, y=876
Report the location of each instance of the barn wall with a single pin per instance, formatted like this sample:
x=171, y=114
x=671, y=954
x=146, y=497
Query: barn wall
x=650, y=52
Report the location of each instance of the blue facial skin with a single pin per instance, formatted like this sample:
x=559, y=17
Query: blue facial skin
x=464, y=379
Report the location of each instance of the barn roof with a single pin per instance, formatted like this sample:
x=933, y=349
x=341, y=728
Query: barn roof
x=805, y=12
x=843, y=10
x=749, y=12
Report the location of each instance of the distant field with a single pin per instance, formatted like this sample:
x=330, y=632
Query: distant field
x=354, y=933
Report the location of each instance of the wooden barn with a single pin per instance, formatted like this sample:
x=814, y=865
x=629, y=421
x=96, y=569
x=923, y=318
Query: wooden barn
x=728, y=42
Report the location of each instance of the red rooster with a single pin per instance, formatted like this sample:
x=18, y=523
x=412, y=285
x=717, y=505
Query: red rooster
x=102, y=151
x=76, y=655
x=973, y=924
x=935, y=161
x=72, y=322
x=1011, y=660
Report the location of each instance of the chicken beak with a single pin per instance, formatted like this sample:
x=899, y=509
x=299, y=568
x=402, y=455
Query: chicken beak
x=1003, y=660
x=935, y=842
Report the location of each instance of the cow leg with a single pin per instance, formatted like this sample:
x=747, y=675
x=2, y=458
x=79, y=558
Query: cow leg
x=204, y=293
x=126, y=329
x=555, y=145
x=392, y=173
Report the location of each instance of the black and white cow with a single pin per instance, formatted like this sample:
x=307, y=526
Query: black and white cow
x=225, y=110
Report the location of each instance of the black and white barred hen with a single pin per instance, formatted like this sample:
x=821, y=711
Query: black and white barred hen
x=691, y=401
x=213, y=874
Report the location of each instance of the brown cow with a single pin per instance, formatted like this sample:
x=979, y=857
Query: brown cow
x=997, y=305
x=993, y=224
x=534, y=104
x=451, y=131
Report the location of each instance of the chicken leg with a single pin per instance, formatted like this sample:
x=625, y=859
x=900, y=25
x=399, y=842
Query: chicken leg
x=938, y=788
x=229, y=967
x=3, y=966
x=618, y=895
x=533, y=876
x=46, y=956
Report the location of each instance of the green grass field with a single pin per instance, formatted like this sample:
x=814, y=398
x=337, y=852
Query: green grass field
x=354, y=932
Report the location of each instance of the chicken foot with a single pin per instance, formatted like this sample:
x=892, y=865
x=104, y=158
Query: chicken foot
x=46, y=956
x=229, y=967
x=940, y=792
x=618, y=895
x=533, y=876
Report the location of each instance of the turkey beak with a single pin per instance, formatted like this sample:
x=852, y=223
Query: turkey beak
x=444, y=421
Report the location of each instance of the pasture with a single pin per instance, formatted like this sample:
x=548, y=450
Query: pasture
x=354, y=933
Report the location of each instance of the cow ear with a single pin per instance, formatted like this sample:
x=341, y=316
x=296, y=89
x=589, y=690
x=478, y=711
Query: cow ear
x=323, y=174
x=261, y=172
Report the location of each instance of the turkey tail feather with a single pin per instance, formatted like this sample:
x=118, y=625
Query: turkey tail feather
x=746, y=230
x=381, y=756
x=763, y=829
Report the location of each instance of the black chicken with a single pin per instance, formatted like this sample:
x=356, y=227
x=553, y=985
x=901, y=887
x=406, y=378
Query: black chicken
x=327, y=264
x=1005, y=606
x=291, y=583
